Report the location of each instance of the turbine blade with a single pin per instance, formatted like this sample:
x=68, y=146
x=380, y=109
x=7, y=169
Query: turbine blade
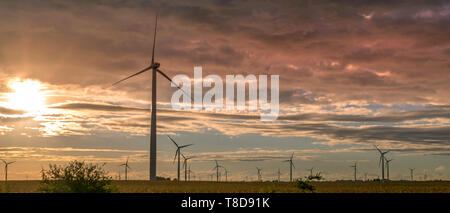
x=173, y=141
x=168, y=78
x=293, y=165
x=186, y=146
x=135, y=74
x=176, y=152
x=154, y=39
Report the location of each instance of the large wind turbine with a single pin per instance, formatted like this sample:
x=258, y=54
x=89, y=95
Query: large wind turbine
x=382, y=158
x=6, y=168
x=387, y=168
x=354, y=167
x=259, y=174
x=178, y=153
x=185, y=166
x=291, y=164
x=217, y=170
x=126, y=168
x=154, y=66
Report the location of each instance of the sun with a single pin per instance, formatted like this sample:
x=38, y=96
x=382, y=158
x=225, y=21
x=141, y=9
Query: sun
x=27, y=95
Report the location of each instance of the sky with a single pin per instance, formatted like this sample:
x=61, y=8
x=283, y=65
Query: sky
x=353, y=74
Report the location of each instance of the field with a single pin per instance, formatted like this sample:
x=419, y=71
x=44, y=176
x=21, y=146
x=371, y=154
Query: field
x=137, y=186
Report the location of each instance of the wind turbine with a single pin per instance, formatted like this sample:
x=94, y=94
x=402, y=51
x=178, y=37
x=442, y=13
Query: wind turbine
x=412, y=173
x=217, y=170
x=259, y=174
x=6, y=168
x=279, y=174
x=178, y=153
x=126, y=168
x=291, y=164
x=226, y=174
x=354, y=166
x=382, y=158
x=387, y=168
x=154, y=66
x=185, y=164
x=189, y=173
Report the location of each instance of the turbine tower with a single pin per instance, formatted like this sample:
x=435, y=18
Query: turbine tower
x=412, y=173
x=291, y=164
x=126, y=168
x=217, y=170
x=177, y=154
x=382, y=158
x=387, y=168
x=185, y=166
x=259, y=174
x=154, y=66
x=354, y=167
x=6, y=168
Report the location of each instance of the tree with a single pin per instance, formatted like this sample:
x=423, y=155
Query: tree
x=76, y=177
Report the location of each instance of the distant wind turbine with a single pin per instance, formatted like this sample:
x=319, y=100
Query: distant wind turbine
x=291, y=164
x=354, y=167
x=177, y=154
x=6, y=168
x=189, y=173
x=259, y=174
x=217, y=170
x=126, y=168
x=226, y=174
x=185, y=165
x=154, y=66
x=387, y=168
x=412, y=173
x=279, y=174
x=382, y=159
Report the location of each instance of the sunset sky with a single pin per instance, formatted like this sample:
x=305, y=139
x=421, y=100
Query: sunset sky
x=352, y=74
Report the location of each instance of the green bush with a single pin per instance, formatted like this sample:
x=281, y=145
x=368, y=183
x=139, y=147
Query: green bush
x=76, y=177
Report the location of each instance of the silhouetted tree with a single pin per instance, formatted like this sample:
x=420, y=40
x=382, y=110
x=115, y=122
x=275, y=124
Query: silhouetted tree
x=76, y=177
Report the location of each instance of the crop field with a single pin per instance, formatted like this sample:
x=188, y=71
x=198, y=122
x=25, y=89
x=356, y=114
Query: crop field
x=138, y=186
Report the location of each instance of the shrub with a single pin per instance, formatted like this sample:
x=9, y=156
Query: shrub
x=304, y=185
x=76, y=177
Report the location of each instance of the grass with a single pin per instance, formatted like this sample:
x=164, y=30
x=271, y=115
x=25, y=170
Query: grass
x=139, y=186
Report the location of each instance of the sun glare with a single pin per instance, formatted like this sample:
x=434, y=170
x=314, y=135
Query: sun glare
x=27, y=95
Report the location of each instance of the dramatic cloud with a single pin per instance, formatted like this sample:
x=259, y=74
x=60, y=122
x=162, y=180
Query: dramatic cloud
x=352, y=74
